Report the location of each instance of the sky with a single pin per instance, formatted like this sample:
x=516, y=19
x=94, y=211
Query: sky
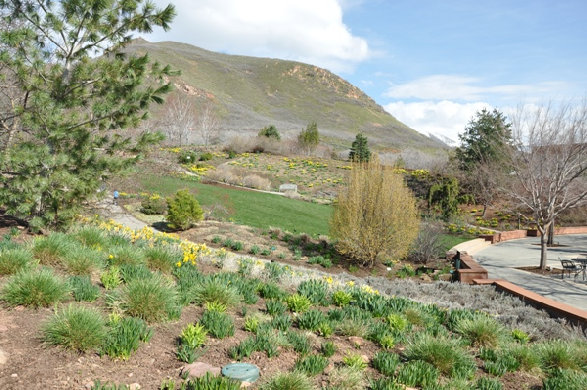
x=431, y=63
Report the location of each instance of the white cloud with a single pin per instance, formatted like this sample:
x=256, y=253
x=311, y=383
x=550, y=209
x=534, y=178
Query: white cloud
x=465, y=88
x=445, y=118
x=303, y=30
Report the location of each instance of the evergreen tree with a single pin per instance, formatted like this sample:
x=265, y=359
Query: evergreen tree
x=309, y=137
x=270, y=132
x=68, y=92
x=483, y=139
x=359, y=149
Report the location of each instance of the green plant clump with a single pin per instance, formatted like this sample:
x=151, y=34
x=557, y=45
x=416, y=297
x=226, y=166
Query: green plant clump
x=13, y=260
x=220, y=325
x=36, y=288
x=125, y=336
x=183, y=210
x=153, y=299
x=298, y=303
x=83, y=289
x=386, y=362
x=312, y=364
x=289, y=381
x=75, y=327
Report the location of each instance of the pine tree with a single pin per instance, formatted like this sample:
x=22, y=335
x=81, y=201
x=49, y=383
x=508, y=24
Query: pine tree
x=359, y=149
x=309, y=137
x=70, y=91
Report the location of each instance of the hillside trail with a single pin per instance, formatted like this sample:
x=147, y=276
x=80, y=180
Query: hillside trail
x=107, y=209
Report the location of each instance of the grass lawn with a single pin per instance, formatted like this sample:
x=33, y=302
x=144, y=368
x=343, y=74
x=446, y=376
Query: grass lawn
x=450, y=240
x=249, y=207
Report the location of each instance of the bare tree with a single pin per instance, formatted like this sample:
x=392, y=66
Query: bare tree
x=180, y=119
x=547, y=166
x=208, y=125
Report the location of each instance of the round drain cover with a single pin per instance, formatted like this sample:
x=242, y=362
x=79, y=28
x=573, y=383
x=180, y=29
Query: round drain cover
x=244, y=372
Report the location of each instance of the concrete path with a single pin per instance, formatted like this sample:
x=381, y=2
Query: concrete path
x=501, y=259
x=107, y=209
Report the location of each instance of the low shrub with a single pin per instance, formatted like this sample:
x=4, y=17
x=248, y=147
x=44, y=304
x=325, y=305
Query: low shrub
x=312, y=364
x=36, y=288
x=75, y=327
x=237, y=246
x=153, y=205
x=257, y=182
x=187, y=157
x=324, y=262
x=183, y=210
x=153, y=299
x=207, y=156
x=13, y=260
x=219, y=325
x=254, y=250
x=83, y=289
x=124, y=337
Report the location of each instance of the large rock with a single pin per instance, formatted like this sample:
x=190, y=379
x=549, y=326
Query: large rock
x=198, y=369
x=3, y=357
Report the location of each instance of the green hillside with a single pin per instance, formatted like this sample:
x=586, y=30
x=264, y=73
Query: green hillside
x=249, y=93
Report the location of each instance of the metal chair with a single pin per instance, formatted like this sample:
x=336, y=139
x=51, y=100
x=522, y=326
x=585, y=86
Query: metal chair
x=570, y=267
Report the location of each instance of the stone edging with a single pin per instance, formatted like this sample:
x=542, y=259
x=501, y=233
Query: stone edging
x=552, y=307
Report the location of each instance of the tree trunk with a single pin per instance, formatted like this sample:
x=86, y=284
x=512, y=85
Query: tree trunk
x=550, y=241
x=484, y=210
x=543, y=245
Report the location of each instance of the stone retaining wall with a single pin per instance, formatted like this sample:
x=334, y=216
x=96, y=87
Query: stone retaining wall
x=523, y=233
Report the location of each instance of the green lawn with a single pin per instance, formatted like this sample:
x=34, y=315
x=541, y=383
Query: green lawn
x=450, y=240
x=249, y=207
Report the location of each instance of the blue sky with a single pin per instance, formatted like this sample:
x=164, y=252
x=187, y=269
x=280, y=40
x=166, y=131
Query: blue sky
x=432, y=64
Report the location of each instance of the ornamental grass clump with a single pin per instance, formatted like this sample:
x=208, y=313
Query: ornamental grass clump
x=558, y=354
x=52, y=249
x=271, y=291
x=446, y=354
x=480, y=331
x=215, y=290
x=299, y=341
x=486, y=383
x=91, y=237
x=129, y=272
x=162, y=259
x=243, y=350
x=126, y=254
x=346, y=377
x=16, y=259
x=212, y=382
x=294, y=380
x=36, y=288
x=153, y=299
x=74, y=327
x=565, y=379
x=83, y=261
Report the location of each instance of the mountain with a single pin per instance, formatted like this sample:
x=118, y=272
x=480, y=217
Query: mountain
x=249, y=93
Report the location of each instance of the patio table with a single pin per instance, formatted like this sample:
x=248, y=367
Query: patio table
x=583, y=264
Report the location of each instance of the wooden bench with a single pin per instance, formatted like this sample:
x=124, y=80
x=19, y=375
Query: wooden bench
x=570, y=266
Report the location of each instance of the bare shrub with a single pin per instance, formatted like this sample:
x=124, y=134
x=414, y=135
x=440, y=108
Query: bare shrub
x=427, y=246
x=256, y=181
x=224, y=174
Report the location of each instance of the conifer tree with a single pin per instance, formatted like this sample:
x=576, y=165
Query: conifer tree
x=359, y=149
x=68, y=91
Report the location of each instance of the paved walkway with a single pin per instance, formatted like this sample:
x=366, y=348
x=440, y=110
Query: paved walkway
x=501, y=259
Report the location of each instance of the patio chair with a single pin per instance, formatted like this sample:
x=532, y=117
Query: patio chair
x=570, y=267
